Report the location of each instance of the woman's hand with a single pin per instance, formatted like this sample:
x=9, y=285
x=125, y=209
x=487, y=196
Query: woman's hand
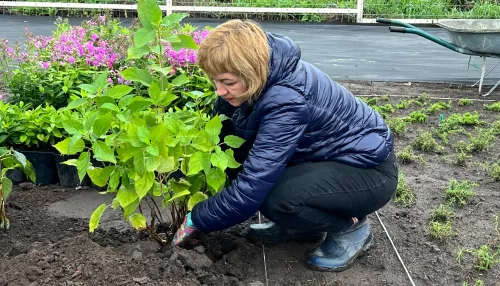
x=185, y=231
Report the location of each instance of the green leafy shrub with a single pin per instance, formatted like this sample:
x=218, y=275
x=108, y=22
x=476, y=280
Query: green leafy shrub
x=29, y=129
x=404, y=194
x=425, y=142
x=146, y=146
x=492, y=107
x=465, y=102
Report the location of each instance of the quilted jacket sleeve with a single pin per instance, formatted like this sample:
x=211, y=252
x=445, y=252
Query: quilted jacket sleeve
x=283, y=120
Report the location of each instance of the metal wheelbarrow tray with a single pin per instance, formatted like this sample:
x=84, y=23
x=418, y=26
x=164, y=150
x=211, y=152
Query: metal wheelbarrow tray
x=474, y=37
x=480, y=36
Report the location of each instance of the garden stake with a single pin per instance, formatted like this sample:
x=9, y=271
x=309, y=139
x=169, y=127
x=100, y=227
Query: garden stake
x=393, y=246
x=264, y=255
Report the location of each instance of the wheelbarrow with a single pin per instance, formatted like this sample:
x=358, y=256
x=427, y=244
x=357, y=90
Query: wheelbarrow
x=470, y=37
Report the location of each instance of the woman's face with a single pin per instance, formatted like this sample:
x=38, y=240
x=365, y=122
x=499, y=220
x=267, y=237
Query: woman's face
x=231, y=88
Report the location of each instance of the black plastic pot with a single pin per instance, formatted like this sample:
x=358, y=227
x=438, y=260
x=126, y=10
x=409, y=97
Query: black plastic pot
x=45, y=166
x=68, y=175
x=16, y=176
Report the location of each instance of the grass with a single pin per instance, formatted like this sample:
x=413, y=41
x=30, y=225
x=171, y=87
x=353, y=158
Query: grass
x=420, y=9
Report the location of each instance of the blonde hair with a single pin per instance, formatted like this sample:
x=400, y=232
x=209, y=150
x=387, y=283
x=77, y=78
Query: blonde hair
x=238, y=47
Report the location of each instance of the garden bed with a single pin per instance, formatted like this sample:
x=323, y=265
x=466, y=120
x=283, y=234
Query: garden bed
x=44, y=249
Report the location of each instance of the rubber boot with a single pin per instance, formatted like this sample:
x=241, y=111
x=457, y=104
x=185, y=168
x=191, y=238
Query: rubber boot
x=339, y=250
x=272, y=233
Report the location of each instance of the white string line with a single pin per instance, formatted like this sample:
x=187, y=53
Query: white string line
x=264, y=255
x=393, y=246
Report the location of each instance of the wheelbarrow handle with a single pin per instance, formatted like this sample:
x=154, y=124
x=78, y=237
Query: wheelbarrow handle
x=397, y=29
x=394, y=22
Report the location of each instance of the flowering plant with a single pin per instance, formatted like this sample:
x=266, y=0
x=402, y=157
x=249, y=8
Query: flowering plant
x=50, y=69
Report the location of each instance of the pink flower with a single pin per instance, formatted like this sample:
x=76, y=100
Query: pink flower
x=71, y=59
x=45, y=65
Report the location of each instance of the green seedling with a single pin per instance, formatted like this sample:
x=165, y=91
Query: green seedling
x=495, y=128
x=404, y=194
x=384, y=109
x=492, y=107
x=425, y=142
x=486, y=256
x=442, y=214
x=397, y=125
x=423, y=98
x=462, y=158
x=465, y=102
x=481, y=141
x=459, y=192
x=407, y=156
x=372, y=101
x=478, y=283
x=438, y=106
x=417, y=117
x=495, y=171
x=441, y=231
x=384, y=97
x=404, y=104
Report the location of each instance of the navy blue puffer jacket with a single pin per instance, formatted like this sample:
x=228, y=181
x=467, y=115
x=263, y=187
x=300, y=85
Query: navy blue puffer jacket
x=301, y=116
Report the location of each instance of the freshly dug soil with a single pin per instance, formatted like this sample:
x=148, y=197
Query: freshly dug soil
x=41, y=249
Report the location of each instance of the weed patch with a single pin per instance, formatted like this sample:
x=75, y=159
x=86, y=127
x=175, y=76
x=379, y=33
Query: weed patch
x=465, y=102
x=425, y=142
x=407, y=156
x=404, y=194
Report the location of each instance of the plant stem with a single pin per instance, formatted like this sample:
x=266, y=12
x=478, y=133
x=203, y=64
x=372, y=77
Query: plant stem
x=158, y=209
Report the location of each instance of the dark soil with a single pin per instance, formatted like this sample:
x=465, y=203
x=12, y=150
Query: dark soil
x=43, y=250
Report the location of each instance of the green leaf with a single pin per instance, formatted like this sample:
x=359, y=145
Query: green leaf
x=102, y=124
x=6, y=188
x=143, y=183
x=95, y=176
x=109, y=106
x=88, y=88
x=103, y=152
x=143, y=36
x=173, y=18
x=96, y=217
x=199, y=161
x=187, y=42
x=64, y=146
x=125, y=153
x=102, y=80
x=73, y=126
x=136, y=74
x=138, y=221
x=179, y=195
x=142, y=11
x=132, y=207
x=213, y=128
x=234, y=141
x=231, y=163
x=139, y=105
x=196, y=198
x=165, y=71
x=20, y=158
x=216, y=179
x=114, y=179
x=219, y=160
x=83, y=164
x=203, y=142
x=126, y=196
x=180, y=80
x=154, y=92
x=152, y=163
x=158, y=133
x=166, y=164
x=77, y=103
x=119, y=91
x=154, y=13
x=137, y=53
x=153, y=150
x=140, y=162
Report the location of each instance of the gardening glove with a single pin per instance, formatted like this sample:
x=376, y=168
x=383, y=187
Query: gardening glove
x=185, y=232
